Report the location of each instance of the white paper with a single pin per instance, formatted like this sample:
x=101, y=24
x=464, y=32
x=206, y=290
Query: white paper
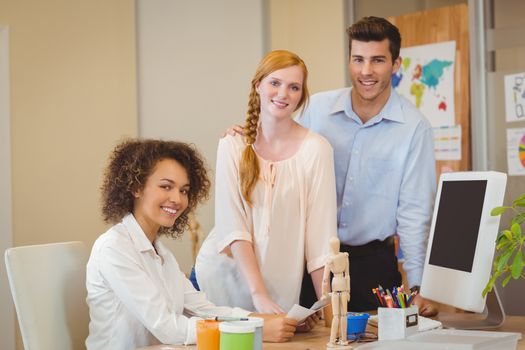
x=516, y=151
x=447, y=142
x=515, y=97
x=300, y=313
x=426, y=78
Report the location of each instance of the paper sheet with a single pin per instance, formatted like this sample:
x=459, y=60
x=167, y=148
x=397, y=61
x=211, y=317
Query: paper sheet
x=300, y=313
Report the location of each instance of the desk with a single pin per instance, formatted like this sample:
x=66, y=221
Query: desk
x=318, y=337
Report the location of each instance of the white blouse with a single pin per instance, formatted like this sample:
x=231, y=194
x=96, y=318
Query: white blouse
x=290, y=224
x=138, y=298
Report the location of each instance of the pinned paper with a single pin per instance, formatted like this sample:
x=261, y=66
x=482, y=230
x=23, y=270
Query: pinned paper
x=516, y=151
x=515, y=97
x=426, y=78
x=447, y=142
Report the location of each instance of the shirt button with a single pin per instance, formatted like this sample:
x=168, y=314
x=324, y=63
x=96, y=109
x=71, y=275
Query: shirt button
x=350, y=178
x=346, y=204
x=344, y=224
x=356, y=151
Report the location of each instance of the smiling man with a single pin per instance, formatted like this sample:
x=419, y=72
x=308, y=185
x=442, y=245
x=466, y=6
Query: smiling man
x=384, y=165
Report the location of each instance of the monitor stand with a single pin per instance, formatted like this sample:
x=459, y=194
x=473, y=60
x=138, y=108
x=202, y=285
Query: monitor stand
x=492, y=317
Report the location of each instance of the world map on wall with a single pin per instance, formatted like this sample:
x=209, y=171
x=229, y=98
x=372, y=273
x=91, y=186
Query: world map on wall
x=423, y=77
x=426, y=78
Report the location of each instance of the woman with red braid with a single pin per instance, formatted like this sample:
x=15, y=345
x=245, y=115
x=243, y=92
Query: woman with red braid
x=275, y=202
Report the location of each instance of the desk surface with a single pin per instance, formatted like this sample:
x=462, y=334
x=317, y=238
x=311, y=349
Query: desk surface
x=317, y=338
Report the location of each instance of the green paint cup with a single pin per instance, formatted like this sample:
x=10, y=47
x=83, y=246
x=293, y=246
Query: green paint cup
x=236, y=336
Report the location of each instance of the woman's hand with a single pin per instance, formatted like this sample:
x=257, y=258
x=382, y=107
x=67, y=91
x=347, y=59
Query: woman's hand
x=264, y=304
x=277, y=328
x=308, y=324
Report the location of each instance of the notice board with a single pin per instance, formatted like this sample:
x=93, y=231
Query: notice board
x=440, y=25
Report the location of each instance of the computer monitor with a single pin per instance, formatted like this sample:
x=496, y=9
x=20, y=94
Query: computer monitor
x=462, y=238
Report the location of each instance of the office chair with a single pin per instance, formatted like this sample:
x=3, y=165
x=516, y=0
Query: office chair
x=49, y=292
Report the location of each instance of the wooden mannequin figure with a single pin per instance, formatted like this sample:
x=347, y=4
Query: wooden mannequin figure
x=337, y=264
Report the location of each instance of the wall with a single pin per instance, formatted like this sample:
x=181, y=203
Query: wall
x=508, y=43
x=73, y=95
x=195, y=63
x=316, y=32
x=387, y=8
x=7, y=318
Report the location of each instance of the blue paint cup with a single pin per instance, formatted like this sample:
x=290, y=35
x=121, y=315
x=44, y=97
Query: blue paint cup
x=356, y=324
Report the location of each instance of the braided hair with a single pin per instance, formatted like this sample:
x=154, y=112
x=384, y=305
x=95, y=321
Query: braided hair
x=249, y=166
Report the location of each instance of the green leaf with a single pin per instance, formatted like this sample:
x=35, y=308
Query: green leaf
x=507, y=234
x=506, y=281
x=520, y=202
x=502, y=237
x=502, y=245
x=498, y=211
x=517, y=265
x=503, y=260
x=518, y=219
x=486, y=290
x=489, y=285
x=516, y=229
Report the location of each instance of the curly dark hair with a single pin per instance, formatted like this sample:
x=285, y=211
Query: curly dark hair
x=132, y=162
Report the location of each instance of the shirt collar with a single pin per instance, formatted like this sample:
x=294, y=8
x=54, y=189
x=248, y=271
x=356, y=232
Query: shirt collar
x=139, y=238
x=392, y=109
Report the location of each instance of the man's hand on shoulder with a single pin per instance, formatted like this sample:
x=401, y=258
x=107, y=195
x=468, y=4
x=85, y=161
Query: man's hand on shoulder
x=234, y=130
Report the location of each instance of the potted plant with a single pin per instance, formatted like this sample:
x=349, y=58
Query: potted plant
x=509, y=262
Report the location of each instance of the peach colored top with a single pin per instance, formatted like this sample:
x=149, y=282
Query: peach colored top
x=290, y=223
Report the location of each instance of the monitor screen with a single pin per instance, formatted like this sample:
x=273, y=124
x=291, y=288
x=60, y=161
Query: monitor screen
x=462, y=238
x=457, y=222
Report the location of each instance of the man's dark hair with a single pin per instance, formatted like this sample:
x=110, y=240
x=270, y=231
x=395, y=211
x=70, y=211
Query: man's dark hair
x=375, y=29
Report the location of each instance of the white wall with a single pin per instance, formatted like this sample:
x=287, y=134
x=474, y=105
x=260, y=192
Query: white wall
x=195, y=63
x=7, y=316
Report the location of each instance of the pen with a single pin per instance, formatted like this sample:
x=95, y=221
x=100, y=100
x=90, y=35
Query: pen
x=381, y=291
x=379, y=299
x=388, y=301
x=411, y=298
x=225, y=318
x=393, y=298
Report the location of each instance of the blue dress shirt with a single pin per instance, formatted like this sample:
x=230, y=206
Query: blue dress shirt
x=385, y=172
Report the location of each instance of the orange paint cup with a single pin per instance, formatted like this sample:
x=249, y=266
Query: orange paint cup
x=208, y=335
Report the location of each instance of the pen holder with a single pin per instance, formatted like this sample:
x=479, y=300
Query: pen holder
x=397, y=323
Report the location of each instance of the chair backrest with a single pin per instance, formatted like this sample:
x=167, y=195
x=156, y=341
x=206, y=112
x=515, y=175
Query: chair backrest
x=49, y=292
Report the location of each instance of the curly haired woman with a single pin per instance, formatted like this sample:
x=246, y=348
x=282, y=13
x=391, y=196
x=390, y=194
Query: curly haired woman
x=275, y=204
x=137, y=295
